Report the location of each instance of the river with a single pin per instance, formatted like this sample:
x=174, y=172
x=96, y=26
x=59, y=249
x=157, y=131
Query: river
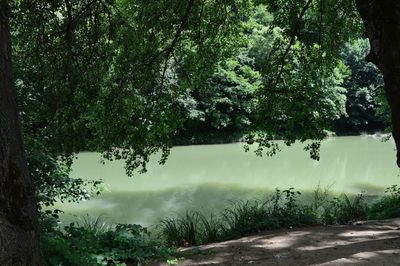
x=207, y=177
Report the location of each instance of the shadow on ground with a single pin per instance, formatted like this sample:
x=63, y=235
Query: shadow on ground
x=371, y=243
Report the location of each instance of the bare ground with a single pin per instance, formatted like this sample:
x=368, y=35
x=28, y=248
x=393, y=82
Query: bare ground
x=365, y=243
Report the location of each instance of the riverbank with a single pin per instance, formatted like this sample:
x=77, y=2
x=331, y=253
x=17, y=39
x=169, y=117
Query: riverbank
x=213, y=139
x=363, y=243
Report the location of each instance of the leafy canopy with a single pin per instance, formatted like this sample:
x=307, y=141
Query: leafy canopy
x=107, y=75
x=122, y=77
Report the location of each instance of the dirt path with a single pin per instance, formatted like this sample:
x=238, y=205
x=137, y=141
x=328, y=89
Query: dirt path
x=371, y=243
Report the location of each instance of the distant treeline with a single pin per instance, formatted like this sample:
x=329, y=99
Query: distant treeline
x=223, y=109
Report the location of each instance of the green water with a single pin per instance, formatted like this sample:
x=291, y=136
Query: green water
x=207, y=177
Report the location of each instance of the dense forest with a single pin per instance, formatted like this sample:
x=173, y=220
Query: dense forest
x=129, y=79
x=223, y=108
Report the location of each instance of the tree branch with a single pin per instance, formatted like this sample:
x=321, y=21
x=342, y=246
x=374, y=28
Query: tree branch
x=293, y=38
x=178, y=33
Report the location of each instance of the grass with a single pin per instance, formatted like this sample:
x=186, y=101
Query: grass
x=282, y=210
x=96, y=225
x=343, y=210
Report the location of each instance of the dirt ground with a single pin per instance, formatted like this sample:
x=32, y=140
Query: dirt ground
x=364, y=243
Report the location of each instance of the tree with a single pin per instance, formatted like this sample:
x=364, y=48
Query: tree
x=98, y=75
x=303, y=74
x=328, y=25
x=220, y=109
x=19, y=236
x=382, y=25
x=363, y=87
x=112, y=77
x=103, y=76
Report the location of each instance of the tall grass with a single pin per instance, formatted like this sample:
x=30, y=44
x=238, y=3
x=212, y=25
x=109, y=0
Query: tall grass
x=94, y=224
x=210, y=229
x=281, y=210
x=343, y=210
x=241, y=218
x=182, y=231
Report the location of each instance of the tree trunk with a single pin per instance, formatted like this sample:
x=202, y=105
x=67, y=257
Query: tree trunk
x=19, y=235
x=382, y=23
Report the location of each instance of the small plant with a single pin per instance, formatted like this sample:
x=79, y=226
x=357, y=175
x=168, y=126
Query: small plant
x=97, y=224
x=189, y=227
x=172, y=262
x=184, y=230
x=320, y=198
x=242, y=218
x=342, y=210
x=388, y=206
x=171, y=231
x=285, y=211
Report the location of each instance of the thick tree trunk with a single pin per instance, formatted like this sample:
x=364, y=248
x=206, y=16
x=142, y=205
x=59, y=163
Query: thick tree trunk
x=382, y=23
x=19, y=237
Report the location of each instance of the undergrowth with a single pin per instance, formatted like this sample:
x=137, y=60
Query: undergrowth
x=388, y=206
x=92, y=241
x=281, y=210
x=95, y=242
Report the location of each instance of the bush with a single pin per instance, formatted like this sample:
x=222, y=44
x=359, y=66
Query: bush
x=288, y=212
x=388, y=206
x=94, y=243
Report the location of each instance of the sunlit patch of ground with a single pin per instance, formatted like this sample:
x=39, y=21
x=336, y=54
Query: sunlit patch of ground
x=370, y=243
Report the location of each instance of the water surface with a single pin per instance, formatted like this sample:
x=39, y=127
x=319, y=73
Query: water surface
x=207, y=177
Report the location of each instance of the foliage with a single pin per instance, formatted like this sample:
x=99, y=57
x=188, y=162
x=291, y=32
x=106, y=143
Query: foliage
x=242, y=218
x=303, y=73
x=281, y=210
x=238, y=219
x=342, y=210
x=107, y=76
x=363, y=87
x=53, y=181
x=388, y=206
x=301, y=96
x=122, y=77
x=114, y=80
x=94, y=244
x=224, y=105
x=94, y=224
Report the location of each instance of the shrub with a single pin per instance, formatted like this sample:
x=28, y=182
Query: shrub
x=287, y=211
x=94, y=243
x=388, y=206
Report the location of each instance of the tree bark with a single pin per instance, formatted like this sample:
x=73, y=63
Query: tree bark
x=382, y=23
x=19, y=235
